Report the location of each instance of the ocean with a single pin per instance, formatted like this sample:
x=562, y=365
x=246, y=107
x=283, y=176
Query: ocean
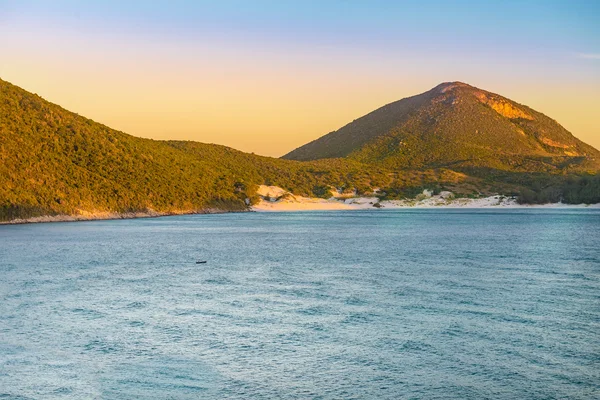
x=374, y=304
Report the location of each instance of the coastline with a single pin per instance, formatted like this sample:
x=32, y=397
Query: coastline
x=105, y=216
x=275, y=199
x=398, y=205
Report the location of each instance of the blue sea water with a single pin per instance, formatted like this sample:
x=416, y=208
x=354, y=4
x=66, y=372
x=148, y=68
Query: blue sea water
x=398, y=304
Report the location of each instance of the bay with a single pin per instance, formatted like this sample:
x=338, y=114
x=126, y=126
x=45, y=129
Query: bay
x=435, y=304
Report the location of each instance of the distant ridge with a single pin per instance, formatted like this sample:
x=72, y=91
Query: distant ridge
x=456, y=125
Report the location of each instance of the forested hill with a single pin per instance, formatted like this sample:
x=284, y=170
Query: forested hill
x=53, y=161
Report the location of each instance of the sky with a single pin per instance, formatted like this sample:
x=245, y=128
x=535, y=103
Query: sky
x=268, y=76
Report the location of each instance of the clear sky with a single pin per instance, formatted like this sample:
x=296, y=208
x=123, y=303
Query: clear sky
x=268, y=76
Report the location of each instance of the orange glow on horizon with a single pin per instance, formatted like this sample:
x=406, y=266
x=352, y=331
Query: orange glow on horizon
x=259, y=101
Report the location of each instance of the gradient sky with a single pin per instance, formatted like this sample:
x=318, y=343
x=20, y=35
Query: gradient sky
x=269, y=76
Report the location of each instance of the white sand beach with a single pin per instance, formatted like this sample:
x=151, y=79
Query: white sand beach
x=275, y=199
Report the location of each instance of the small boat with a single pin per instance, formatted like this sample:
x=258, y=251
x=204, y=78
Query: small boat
x=200, y=262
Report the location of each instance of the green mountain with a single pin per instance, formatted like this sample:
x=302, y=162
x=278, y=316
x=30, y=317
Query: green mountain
x=456, y=126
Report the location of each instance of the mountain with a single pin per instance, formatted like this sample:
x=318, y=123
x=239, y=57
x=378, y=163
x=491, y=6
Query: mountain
x=458, y=126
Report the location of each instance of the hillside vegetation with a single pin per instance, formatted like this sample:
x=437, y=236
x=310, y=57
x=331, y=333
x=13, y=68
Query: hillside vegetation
x=53, y=161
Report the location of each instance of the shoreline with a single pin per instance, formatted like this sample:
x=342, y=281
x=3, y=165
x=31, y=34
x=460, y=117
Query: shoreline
x=270, y=209
x=273, y=208
x=275, y=199
x=108, y=216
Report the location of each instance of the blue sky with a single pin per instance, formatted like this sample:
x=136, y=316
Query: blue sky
x=565, y=25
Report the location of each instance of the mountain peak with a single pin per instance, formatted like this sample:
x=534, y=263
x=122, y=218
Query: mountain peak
x=448, y=86
x=459, y=125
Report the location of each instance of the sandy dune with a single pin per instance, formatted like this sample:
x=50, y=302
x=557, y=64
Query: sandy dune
x=277, y=199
